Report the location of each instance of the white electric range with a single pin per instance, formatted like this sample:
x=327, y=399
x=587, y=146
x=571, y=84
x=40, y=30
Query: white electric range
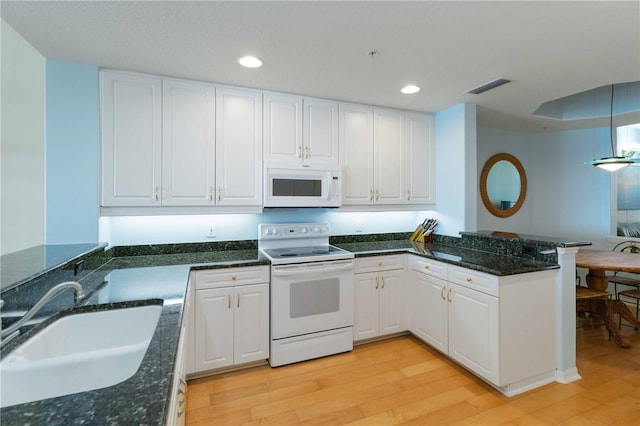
x=311, y=292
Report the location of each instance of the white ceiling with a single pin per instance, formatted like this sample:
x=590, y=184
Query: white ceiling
x=549, y=49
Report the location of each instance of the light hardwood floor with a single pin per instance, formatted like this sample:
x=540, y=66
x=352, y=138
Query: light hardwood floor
x=403, y=381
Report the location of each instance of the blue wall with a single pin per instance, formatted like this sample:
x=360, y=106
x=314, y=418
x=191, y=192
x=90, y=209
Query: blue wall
x=72, y=147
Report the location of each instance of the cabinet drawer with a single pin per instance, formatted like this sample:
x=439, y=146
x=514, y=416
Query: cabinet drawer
x=428, y=266
x=225, y=277
x=379, y=263
x=474, y=280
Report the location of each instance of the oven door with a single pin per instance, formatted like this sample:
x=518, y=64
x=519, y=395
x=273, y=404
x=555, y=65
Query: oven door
x=311, y=297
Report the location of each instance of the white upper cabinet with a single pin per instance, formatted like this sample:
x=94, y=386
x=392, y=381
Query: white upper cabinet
x=282, y=127
x=131, y=139
x=238, y=147
x=302, y=130
x=389, y=152
x=320, y=132
x=356, y=144
x=188, y=143
x=420, y=166
x=387, y=156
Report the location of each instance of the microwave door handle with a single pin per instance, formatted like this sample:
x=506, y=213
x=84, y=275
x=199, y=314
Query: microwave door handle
x=327, y=196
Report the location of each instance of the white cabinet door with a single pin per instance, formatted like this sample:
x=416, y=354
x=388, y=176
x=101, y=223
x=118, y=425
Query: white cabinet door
x=389, y=152
x=365, y=322
x=474, y=331
x=320, y=132
x=238, y=147
x=420, y=158
x=282, y=127
x=356, y=143
x=390, y=304
x=251, y=323
x=429, y=310
x=188, y=143
x=131, y=141
x=213, y=328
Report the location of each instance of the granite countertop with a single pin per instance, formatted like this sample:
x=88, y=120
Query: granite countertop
x=123, y=281
x=490, y=263
x=119, y=283
x=21, y=266
x=527, y=238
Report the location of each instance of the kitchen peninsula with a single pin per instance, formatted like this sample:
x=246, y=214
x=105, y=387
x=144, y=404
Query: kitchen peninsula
x=125, y=274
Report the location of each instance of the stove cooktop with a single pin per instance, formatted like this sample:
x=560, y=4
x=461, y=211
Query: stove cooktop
x=306, y=254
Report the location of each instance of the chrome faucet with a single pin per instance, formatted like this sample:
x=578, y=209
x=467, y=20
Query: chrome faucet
x=15, y=327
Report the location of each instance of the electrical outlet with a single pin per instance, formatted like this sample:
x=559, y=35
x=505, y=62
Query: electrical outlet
x=358, y=225
x=211, y=230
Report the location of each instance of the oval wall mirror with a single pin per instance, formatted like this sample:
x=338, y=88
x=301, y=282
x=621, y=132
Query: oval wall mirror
x=503, y=185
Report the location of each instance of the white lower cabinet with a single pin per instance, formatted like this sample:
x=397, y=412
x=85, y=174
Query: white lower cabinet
x=500, y=328
x=378, y=296
x=231, y=317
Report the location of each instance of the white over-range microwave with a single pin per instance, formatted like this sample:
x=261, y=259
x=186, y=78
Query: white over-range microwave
x=300, y=185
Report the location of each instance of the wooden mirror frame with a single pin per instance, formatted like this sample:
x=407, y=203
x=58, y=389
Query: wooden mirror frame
x=483, y=185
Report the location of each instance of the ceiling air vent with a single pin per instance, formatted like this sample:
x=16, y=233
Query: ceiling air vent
x=488, y=86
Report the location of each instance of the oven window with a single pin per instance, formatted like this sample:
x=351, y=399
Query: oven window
x=297, y=187
x=314, y=297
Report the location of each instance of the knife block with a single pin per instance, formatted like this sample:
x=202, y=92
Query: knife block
x=418, y=235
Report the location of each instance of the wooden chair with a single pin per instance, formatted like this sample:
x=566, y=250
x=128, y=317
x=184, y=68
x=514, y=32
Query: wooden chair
x=629, y=281
x=592, y=302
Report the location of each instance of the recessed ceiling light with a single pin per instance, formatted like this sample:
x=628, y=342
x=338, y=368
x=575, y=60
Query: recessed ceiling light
x=250, y=62
x=410, y=89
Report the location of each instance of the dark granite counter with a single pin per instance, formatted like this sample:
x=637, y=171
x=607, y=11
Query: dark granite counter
x=527, y=239
x=133, y=275
x=24, y=265
x=490, y=263
x=118, y=283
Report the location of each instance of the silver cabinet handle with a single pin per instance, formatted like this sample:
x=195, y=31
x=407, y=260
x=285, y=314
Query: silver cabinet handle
x=238, y=304
x=377, y=283
x=156, y=194
x=371, y=195
x=307, y=153
x=408, y=195
x=449, y=295
x=229, y=301
x=442, y=293
x=382, y=282
x=219, y=194
x=211, y=194
x=377, y=195
x=299, y=151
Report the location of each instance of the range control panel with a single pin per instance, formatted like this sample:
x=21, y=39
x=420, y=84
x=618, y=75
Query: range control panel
x=293, y=230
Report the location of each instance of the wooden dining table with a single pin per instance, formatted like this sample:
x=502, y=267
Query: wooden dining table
x=598, y=262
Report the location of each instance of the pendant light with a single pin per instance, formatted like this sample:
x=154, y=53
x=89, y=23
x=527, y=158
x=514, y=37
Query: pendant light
x=612, y=163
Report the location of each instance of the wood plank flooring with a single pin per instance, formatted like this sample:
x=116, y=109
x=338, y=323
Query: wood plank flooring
x=403, y=381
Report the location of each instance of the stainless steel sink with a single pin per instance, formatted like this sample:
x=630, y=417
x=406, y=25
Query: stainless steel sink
x=78, y=353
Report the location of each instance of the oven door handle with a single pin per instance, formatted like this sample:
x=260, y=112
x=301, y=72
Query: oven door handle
x=304, y=268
